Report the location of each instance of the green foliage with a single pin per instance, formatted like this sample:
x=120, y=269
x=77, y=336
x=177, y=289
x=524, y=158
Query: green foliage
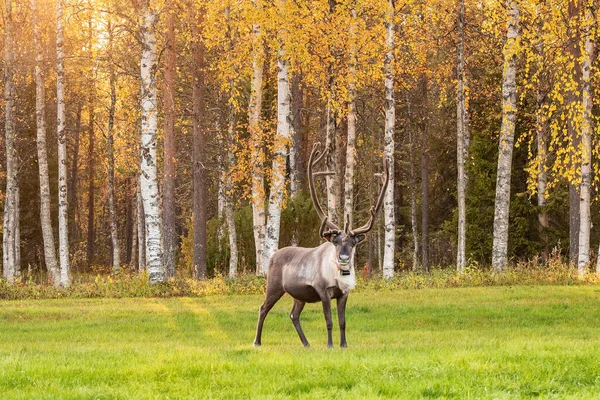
x=480, y=343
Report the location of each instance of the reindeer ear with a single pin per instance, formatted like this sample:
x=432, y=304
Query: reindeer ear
x=329, y=236
x=360, y=237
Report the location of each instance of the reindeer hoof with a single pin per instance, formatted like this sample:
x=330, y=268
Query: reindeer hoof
x=257, y=344
x=343, y=345
x=307, y=345
x=330, y=346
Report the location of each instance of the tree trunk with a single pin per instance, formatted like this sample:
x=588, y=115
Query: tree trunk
x=45, y=208
x=413, y=187
x=390, y=125
x=170, y=151
x=141, y=231
x=257, y=147
x=507, y=138
x=130, y=227
x=297, y=169
x=586, y=142
x=541, y=143
x=351, y=138
x=91, y=233
x=199, y=153
x=11, y=206
x=573, y=98
x=280, y=153
x=114, y=233
x=73, y=178
x=148, y=168
x=229, y=216
x=461, y=141
x=332, y=181
x=424, y=178
x=63, y=214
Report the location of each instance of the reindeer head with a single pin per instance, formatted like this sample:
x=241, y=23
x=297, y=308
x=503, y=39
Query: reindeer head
x=344, y=240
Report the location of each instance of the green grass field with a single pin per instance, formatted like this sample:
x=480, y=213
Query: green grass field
x=493, y=343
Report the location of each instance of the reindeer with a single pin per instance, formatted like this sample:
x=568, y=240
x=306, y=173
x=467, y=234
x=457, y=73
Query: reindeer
x=322, y=273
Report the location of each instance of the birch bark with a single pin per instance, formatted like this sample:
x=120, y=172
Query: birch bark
x=114, y=233
x=351, y=138
x=390, y=124
x=461, y=139
x=424, y=177
x=11, y=212
x=199, y=151
x=257, y=146
x=541, y=142
x=586, y=144
x=413, y=187
x=148, y=168
x=280, y=153
x=170, y=151
x=45, y=209
x=507, y=134
x=229, y=216
x=63, y=216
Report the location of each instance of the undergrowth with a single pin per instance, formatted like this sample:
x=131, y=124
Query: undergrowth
x=131, y=284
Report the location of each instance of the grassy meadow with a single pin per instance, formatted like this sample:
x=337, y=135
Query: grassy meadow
x=479, y=343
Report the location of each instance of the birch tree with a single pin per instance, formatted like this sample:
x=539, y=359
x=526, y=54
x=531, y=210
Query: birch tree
x=198, y=152
x=148, y=167
x=390, y=123
x=257, y=147
x=461, y=140
x=541, y=136
x=11, y=210
x=63, y=216
x=507, y=133
x=280, y=149
x=46, y=218
x=169, y=201
x=413, y=187
x=351, y=121
x=114, y=232
x=586, y=141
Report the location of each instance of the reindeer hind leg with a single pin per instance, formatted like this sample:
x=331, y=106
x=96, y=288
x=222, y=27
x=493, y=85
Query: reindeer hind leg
x=272, y=297
x=295, y=317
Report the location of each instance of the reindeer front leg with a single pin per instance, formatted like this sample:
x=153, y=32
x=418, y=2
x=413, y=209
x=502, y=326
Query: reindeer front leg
x=341, y=310
x=327, y=311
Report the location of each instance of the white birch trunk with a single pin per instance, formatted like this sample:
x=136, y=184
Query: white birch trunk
x=148, y=168
x=229, y=216
x=331, y=181
x=389, y=223
x=45, y=209
x=63, y=216
x=114, y=233
x=413, y=188
x=351, y=138
x=280, y=153
x=257, y=147
x=11, y=206
x=461, y=139
x=541, y=142
x=586, y=146
x=507, y=137
x=17, y=222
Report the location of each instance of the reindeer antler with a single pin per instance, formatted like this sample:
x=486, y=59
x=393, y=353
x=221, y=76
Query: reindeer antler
x=315, y=157
x=385, y=179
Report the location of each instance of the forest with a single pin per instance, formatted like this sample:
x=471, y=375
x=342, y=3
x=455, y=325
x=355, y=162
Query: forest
x=173, y=136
